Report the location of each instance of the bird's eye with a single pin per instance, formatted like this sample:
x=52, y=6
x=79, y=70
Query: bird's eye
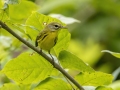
x=56, y=25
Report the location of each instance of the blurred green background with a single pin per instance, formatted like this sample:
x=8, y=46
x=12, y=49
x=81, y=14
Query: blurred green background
x=99, y=30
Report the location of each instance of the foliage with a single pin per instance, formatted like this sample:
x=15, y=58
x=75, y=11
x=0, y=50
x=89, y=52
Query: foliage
x=28, y=69
x=117, y=55
x=31, y=71
x=52, y=83
x=94, y=79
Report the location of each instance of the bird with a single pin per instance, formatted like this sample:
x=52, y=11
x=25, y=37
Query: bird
x=48, y=37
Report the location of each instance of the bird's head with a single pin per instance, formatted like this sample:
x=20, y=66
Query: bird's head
x=54, y=26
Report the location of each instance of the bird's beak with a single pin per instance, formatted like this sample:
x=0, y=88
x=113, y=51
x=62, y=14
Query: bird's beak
x=64, y=27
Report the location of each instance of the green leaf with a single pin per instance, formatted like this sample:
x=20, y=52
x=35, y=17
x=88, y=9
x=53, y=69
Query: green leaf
x=63, y=41
x=70, y=61
x=4, y=11
x=1, y=4
x=103, y=88
x=28, y=68
x=10, y=86
x=25, y=86
x=5, y=7
x=53, y=84
x=37, y=21
x=26, y=7
x=116, y=85
x=117, y=55
x=94, y=79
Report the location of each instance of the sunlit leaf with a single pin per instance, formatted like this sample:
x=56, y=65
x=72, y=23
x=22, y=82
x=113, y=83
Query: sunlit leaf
x=89, y=87
x=1, y=4
x=22, y=10
x=70, y=61
x=5, y=7
x=27, y=68
x=4, y=11
x=103, y=88
x=112, y=53
x=10, y=86
x=63, y=41
x=94, y=79
x=115, y=85
x=116, y=73
x=53, y=84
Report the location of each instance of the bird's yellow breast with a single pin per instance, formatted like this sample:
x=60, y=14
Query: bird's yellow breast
x=49, y=41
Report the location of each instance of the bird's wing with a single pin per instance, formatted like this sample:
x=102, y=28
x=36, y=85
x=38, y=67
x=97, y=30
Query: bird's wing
x=40, y=37
x=55, y=41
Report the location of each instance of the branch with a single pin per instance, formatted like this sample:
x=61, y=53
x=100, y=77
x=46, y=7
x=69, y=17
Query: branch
x=4, y=26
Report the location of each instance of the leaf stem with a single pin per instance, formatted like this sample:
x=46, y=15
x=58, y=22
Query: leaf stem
x=4, y=26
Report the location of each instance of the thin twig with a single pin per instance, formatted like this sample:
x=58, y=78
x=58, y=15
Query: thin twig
x=67, y=78
x=3, y=25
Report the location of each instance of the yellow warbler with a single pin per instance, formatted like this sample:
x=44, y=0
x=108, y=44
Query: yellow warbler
x=47, y=38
